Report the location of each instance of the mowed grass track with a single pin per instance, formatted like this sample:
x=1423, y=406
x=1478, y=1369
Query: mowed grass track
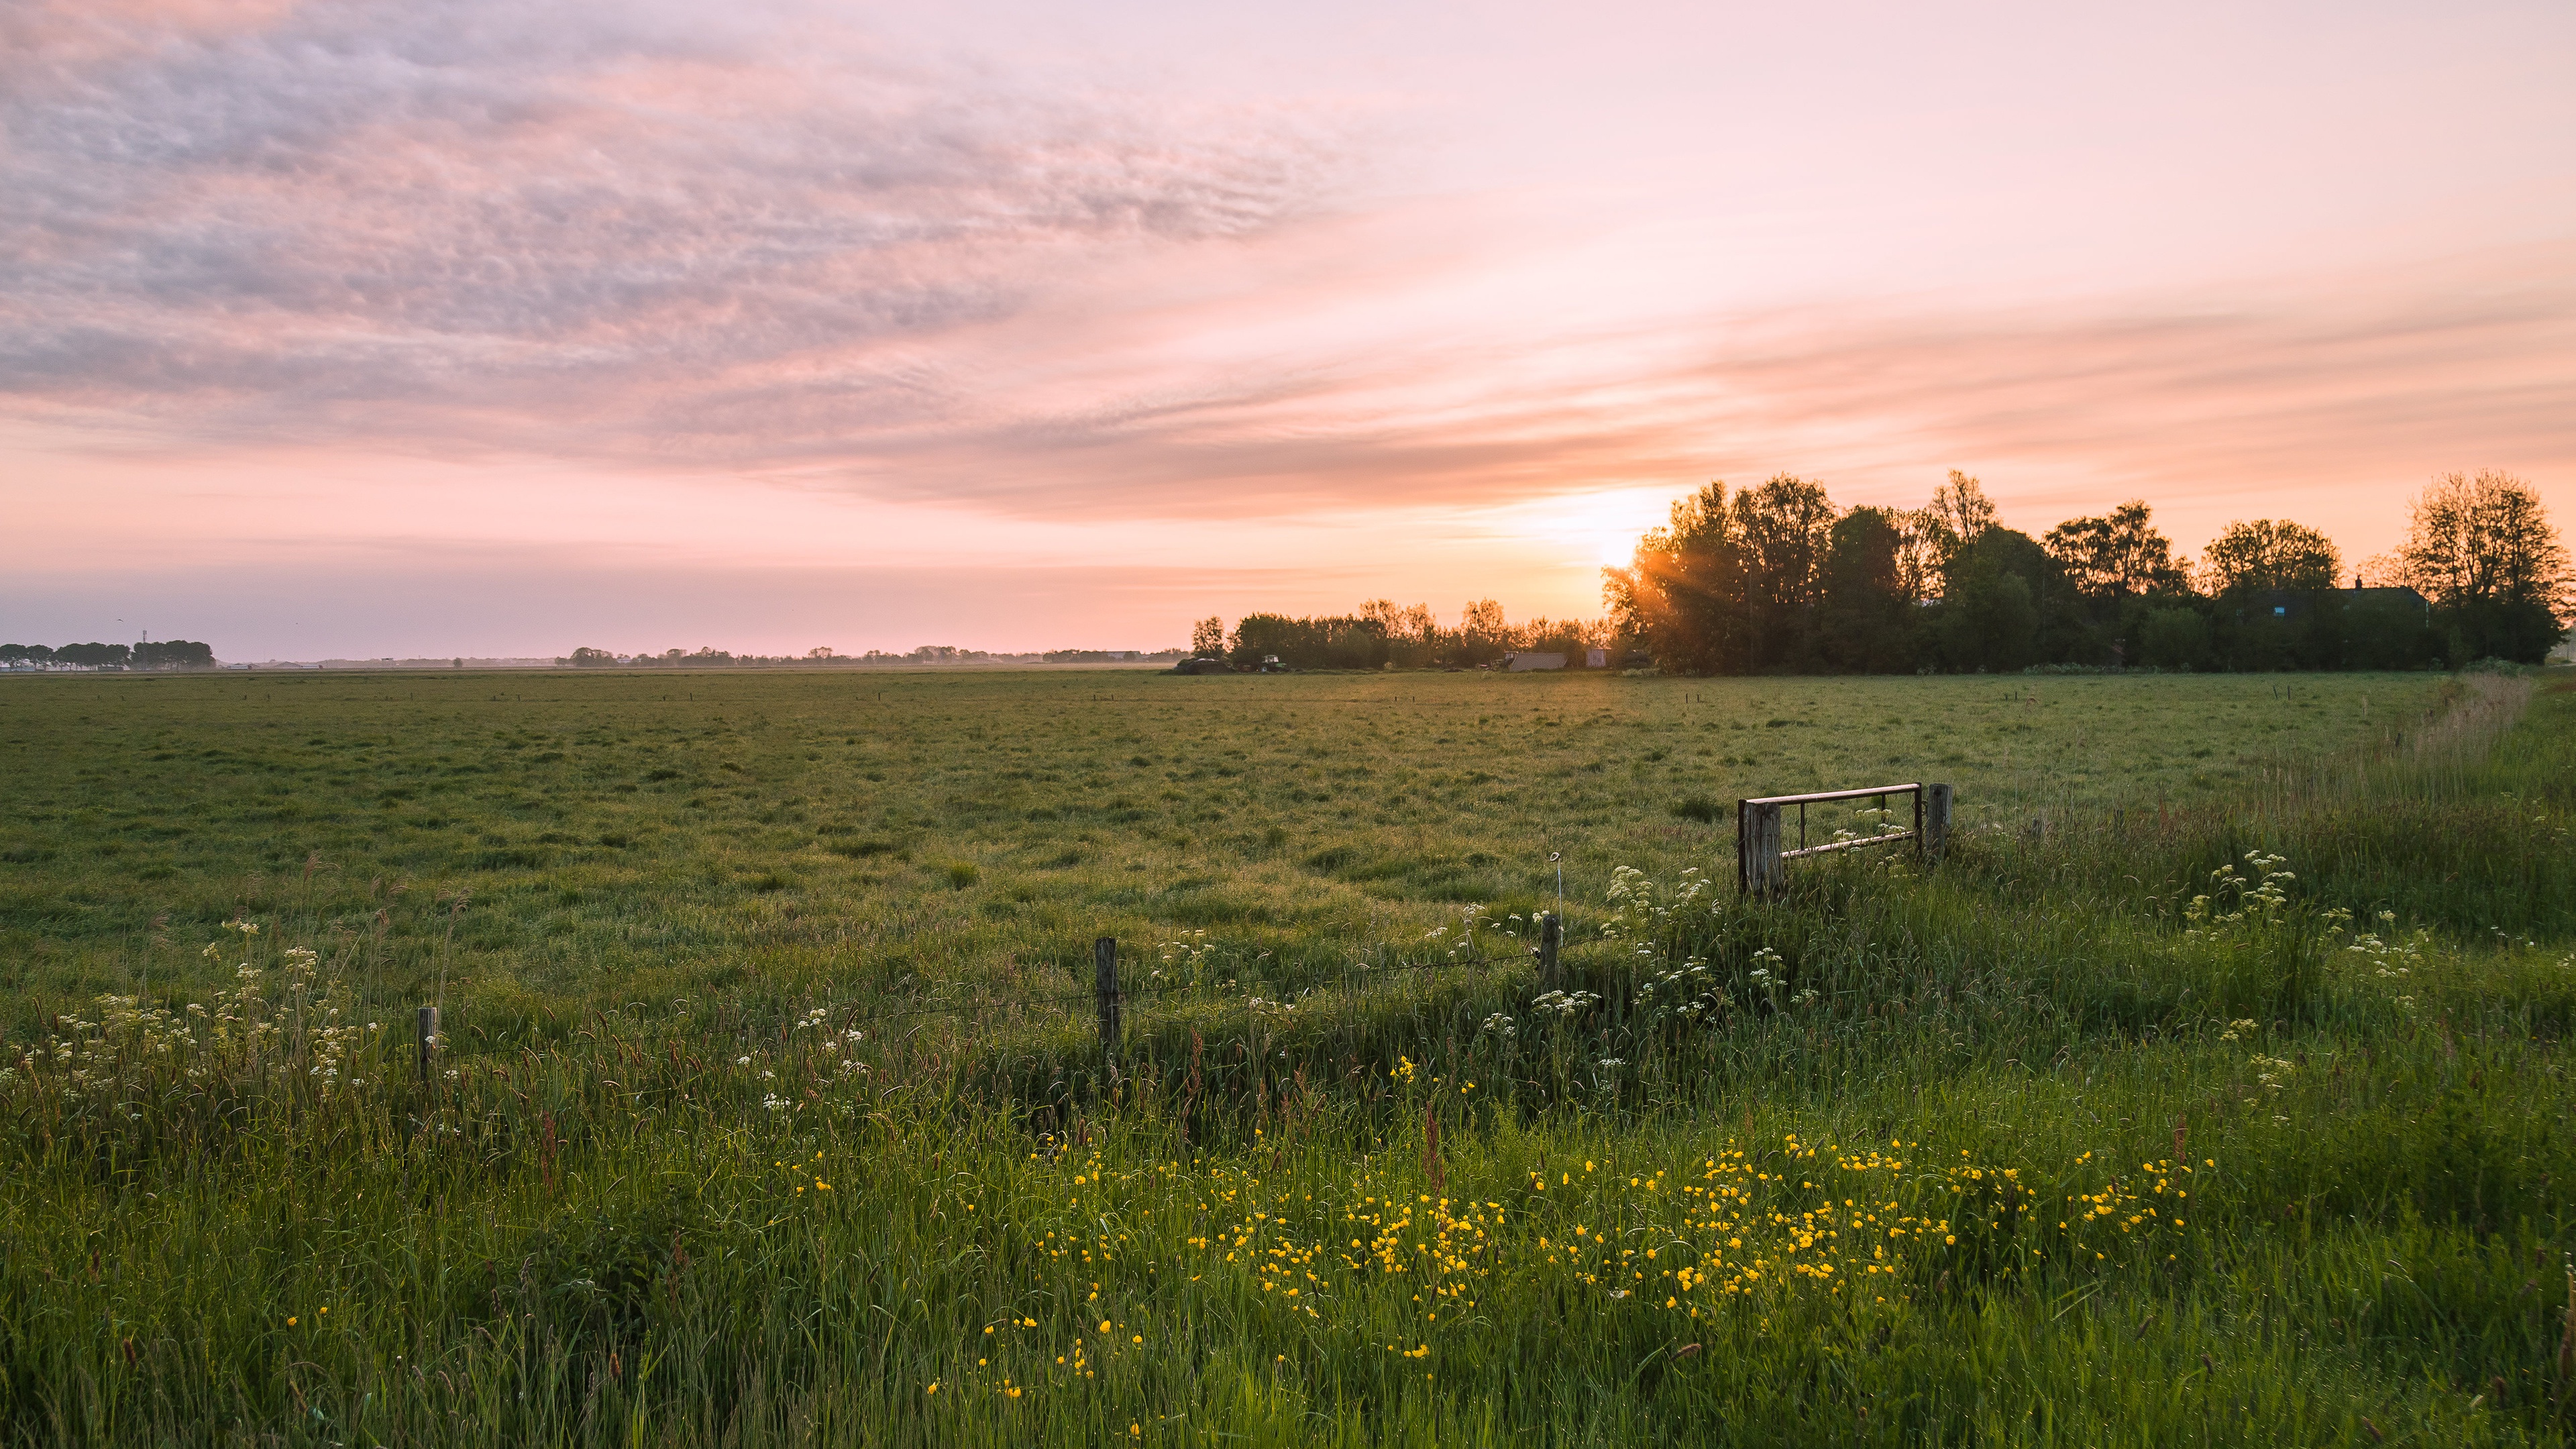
x=549, y=842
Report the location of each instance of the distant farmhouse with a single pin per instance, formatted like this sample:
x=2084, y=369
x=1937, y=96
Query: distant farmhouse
x=2290, y=605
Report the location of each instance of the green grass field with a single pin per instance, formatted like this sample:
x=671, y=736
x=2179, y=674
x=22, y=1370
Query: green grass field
x=2214, y=1089
x=640, y=837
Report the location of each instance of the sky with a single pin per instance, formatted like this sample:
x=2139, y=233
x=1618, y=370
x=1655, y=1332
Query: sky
x=462, y=326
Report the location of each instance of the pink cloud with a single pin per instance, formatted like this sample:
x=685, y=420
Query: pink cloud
x=665, y=265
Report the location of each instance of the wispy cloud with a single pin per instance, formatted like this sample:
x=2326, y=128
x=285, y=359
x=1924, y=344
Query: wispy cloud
x=755, y=239
x=2275, y=384
x=486, y=219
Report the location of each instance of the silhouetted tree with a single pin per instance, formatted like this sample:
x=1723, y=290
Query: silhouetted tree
x=1785, y=528
x=1924, y=546
x=1413, y=634
x=1682, y=593
x=1869, y=607
x=2483, y=551
x=2117, y=557
x=174, y=654
x=1483, y=633
x=2269, y=554
x=1989, y=616
x=1961, y=509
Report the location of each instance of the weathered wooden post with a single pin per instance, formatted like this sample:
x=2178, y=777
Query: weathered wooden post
x=1104, y=974
x=1758, y=870
x=1936, y=821
x=1551, y=936
x=426, y=1026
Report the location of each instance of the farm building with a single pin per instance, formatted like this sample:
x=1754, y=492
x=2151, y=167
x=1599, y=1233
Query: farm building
x=2294, y=603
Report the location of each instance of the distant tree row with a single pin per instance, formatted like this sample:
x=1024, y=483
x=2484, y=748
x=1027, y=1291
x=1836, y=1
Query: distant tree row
x=164, y=654
x=1777, y=579
x=1384, y=634
x=711, y=658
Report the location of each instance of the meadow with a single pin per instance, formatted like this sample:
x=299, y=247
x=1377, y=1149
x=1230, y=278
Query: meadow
x=611, y=838
x=2211, y=1090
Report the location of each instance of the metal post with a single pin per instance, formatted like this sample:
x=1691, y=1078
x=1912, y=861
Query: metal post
x=427, y=1031
x=1104, y=972
x=1936, y=821
x=1551, y=935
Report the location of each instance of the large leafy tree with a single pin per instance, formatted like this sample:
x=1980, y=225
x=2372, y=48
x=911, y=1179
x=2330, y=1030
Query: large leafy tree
x=1991, y=604
x=2483, y=551
x=1869, y=600
x=1484, y=635
x=2269, y=553
x=2484, y=539
x=1683, y=590
x=1413, y=634
x=1786, y=530
x=1924, y=544
x=1960, y=508
x=2119, y=556
x=174, y=654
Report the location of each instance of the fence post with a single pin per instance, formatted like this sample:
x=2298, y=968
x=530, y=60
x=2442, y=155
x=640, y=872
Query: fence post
x=426, y=1024
x=1743, y=871
x=1936, y=820
x=1757, y=848
x=1104, y=972
x=1551, y=935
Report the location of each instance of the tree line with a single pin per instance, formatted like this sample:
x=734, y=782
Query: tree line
x=163, y=654
x=1776, y=578
x=1386, y=635
x=1779, y=579
x=709, y=657
x=713, y=658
